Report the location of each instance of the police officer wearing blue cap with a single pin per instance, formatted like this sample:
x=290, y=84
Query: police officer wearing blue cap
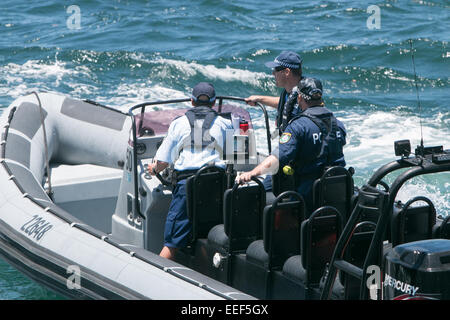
x=193, y=140
x=312, y=140
x=287, y=70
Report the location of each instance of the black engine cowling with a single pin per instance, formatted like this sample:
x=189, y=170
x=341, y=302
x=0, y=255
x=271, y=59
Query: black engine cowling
x=418, y=270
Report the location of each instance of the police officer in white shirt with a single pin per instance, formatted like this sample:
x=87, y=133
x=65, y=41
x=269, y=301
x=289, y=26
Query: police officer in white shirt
x=193, y=140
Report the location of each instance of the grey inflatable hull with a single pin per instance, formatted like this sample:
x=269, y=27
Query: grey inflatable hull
x=51, y=245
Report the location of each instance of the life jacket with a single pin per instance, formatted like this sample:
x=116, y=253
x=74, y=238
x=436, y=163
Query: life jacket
x=331, y=150
x=281, y=102
x=331, y=146
x=286, y=114
x=200, y=119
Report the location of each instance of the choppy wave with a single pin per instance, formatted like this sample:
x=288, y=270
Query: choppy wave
x=371, y=136
x=211, y=72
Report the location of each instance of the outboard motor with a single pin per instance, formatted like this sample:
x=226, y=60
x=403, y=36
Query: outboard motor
x=418, y=270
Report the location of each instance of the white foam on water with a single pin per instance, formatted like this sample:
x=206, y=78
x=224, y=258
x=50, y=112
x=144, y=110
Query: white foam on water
x=82, y=90
x=440, y=197
x=391, y=74
x=126, y=95
x=260, y=52
x=370, y=144
x=212, y=72
x=36, y=69
x=35, y=75
x=370, y=137
x=259, y=125
x=140, y=57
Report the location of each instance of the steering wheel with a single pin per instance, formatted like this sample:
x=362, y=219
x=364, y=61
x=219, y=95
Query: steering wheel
x=164, y=178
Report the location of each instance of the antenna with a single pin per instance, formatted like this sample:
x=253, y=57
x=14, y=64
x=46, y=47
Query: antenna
x=417, y=92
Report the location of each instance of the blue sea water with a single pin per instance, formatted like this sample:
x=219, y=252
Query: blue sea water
x=121, y=53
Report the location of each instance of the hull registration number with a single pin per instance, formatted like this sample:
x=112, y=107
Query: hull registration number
x=36, y=227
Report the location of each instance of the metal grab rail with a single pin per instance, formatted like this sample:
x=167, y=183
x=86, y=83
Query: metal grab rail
x=264, y=110
x=369, y=199
x=416, y=166
x=134, y=136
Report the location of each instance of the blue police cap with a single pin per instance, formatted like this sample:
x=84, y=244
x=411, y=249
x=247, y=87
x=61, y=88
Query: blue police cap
x=206, y=89
x=310, y=88
x=287, y=59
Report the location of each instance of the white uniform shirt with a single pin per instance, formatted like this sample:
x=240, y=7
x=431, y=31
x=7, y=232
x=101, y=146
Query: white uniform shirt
x=179, y=130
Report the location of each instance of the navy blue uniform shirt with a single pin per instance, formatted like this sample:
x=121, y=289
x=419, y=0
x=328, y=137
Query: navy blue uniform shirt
x=301, y=140
x=300, y=144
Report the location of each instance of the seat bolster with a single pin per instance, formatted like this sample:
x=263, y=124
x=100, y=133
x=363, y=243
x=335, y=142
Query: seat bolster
x=227, y=212
x=218, y=237
x=293, y=269
x=267, y=227
x=338, y=291
x=257, y=254
x=270, y=198
x=304, y=241
x=189, y=197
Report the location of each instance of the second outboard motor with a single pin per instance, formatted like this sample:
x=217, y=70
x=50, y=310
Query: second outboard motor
x=418, y=270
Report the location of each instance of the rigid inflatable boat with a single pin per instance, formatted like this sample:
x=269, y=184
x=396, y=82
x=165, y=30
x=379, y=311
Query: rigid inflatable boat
x=80, y=215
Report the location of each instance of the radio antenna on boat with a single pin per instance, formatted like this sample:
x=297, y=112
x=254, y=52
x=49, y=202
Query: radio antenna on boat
x=418, y=100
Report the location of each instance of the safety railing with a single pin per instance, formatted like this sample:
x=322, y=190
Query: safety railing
x=143, y=105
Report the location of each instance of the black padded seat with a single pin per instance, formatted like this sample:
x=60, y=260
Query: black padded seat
x=412, y=223
x=287, y=285
x=443, y=231
x=281, y=227
x=355, y=254
x=356, y=248
x=204, y=197
x=293, y=268
x=270, y=197
x=319, y=235
x=242, y=215
x=332, y=203
x=204, y=202
x=334, y=188
x=256, y=253
x=281, y=240
x=218, y=236
x=338, y=290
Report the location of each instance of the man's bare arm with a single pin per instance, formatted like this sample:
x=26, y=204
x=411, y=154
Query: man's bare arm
x=269, y=165
x=266, y=100
x=157, y=166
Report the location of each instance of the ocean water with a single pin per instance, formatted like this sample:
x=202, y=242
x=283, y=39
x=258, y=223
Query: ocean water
x=121, y=53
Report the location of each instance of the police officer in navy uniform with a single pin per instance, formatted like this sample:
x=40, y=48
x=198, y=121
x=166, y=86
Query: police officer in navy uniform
x=287, y=70
x=193, y=140
x=311, y=141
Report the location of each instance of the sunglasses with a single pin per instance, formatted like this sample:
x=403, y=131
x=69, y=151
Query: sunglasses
x=276, y=69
